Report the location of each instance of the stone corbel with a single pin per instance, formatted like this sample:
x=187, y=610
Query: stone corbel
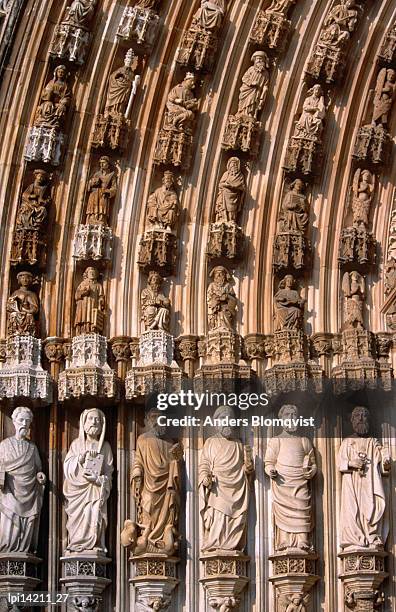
x=225, y=578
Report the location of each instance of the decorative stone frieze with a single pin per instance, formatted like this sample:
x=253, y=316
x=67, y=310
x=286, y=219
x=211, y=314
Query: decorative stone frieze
x=139, y=24
x=155, y=579
x=19, y=573
x=293, y=578
x=362, y=576
x=225, y=578
x=84, y=577
x=271, y=27
x=72, y=35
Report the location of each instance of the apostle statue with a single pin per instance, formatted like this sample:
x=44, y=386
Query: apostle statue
x=224, y=469
x=88, y=470
x=363, y=188
x=310, y=123
x=163, y=206
x=221, y=300
x=54, y=101
x=155, y=306
x=290, y=463
x=90, y=304
x=102, y=189
x=209, y=16
x=363, y=462
x=80, y=12
x=21, y=487
x=181, y=105
x=35, y=201
x=294, y=215
x=156, y=481
x=353, y=288
x=289, y=306
x=254, y=86
x=23, y=307
x=384, y=97
x=232, y=188
x=120, y=88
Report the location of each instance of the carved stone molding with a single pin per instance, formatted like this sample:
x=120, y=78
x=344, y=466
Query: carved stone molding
x=93, y=242
x=225, y=578
x=121, y=348
x=173, y=148
x=155, y=579
x=84, y=577
x=186, y=348
x=363, y=572
x=372, y=144
x=291, y=252
x=158, y=250
x=254, y=346
x=138, y=25
x=293, y=578
x=54, y=349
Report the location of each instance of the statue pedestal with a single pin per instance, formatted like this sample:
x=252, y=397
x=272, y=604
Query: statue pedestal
x=242, y=133
x=18, y=573
x=70, y=43
x=88, y=373
x=372, y=144
x=156, y=369
x=363, y=571
x=357, y=248
x=155, y=578
x=138, y=25
x=294, y=575
x=22, y=375
x=28, y=247
x=326, y=63
x=225, y=577
x=158, y=250
x=85, y=575
x=225, y=240
x=173, y=148
x=198, y=49
x=270, y=30
x=93, y=242
x=303, y=155
x=110, y=132
x=44, y=144
x=291, y=252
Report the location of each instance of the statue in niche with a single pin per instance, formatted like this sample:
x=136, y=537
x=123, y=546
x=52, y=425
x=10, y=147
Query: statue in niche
x=209, y=16
x=353, y=288
x=289, y=306
x=36, y=199
x=384, y=96
x=23, y=307
x=232, y=188
x=22, y=486
x=293, y=216
x=102, y=188
x=224, y=469
x=254, y=86
x=290, y=463
x=80, y=12
x=363, y=189
x=163, y=206
x=120, y=88
x=221, y=300
x=181, y=105
x=88, y=470
x=310, y=123
x=54, y=101
x=155, y=306
x=339, y=23
x=363, y=462
x=156, y=478
x=90, y=301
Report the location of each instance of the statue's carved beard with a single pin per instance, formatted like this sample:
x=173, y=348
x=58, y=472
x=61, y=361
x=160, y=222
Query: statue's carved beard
x=361, y=428
x=93, y=431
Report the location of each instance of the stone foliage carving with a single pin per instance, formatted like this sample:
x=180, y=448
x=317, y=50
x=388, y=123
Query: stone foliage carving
x=21, y=487
x=271, y=27
x=23, y=307
x=353, y=289
x=224, y=469
x=102, y=189
x=155, y=307
x=88, y=469
x=156, y=475
x=363, y=462
x=139, y=23
x=290, y=463
x=71, y=37
x=289, y=306
x=221, y=301
x=29, y=239
x=291, y=248
x=90, y=304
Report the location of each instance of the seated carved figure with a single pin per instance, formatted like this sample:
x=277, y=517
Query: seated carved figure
x=221, y=301
x=155, y=306
x=289, y=306
x=181, y=105
x=22, y=307
x=54, y=101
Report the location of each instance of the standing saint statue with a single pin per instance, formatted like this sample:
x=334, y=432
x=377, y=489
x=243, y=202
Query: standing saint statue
x=181, y=105
x=54, y=101
x=289, y=306
x=232, y=187
x=221, y=300
x=363, y=188
x=88, y=470
x=384, y=97
x=35, y=201
x=80, y=12
x=310, y=123
x=155, y=306
x=163, y=206
x=254, y=86
x=90, y=304
x=23, y=307
x=363, y=462
x=224, y=469
x=120, y=88
x=102, y=188
x=353, y=288
x=290, y=463
x=293, y=216
x=21, y=487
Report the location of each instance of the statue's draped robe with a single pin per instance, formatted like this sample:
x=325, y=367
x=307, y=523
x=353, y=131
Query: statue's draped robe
x=87, y=305
x=294, y=217
x=229, y=198
x=221, y=302
x=22, y=496
x=53, y=105
x=98, y=202
x=119, y=90
x=179, y=115
x=224, y=507
x=251, y=92
x=80, y=12
x=154, y=316
x=163, y=207
x=210, y=14
x=86, y=506
x=288, y=309
x=32, y=211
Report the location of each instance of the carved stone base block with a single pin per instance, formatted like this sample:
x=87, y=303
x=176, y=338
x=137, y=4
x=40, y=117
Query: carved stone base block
x=363, y=572
x=28, y=247
x=222, y=346
x=293, y=578
x=303, y=155
x=70, y=43
x=270, y=30
x=197, y=50
x=110, y=132
x=93, y=242
x=155, y=579
x=88, y=373
x=44, y=144
x=372, y=144
x=242, y=133
x=225, y=240
x=22, y=375
x=158, y=250
x=327, y=63
x=357, y=247
x=138, y=25
x=291, y=251
x=173, y=148
x=225, y=577
x=18, y=573
x=84, y=575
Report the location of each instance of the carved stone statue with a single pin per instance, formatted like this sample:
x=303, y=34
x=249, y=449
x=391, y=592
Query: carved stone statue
x=88, y=469
x=279, y=6
x=338, y=25
x=363, y=462
x=181, y=105
x=23, y=307
x=21, y=487
x=289, y=306
x=295, y=603
x=353, y=288
x=294, y=215
x=163, y=206
x=385, y=91
x=254, y=86
x=363, y=188
x=54, y=101
x=102, y=189
x=221, y=300
x=155, y=306
x=80, y=12
x=290, y=463
x=209, y=15
x=156, y=479
x=90, y=304
x=224, y=469
x=232, y=188
x=310, y=123
x=120, y=88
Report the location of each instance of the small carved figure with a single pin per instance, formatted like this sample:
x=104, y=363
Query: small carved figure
x=221, y=300
x=363, y=188
x=36, y=199
x=289, y=306
x=254, y=86
x=80, y=12
x=102, y=188
x=86, y=604
x=339, y=23
x=155, y=306
x=210, y=15
x=310, y=124
x=54, y=101
x=353, y=288
x=163, y=206
x=232, y=187
x=90, y=301
x=181, y=105
x=384, y=97
x=295, y=603
x=293, y=216
x=120, y=88
x=22, y=307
